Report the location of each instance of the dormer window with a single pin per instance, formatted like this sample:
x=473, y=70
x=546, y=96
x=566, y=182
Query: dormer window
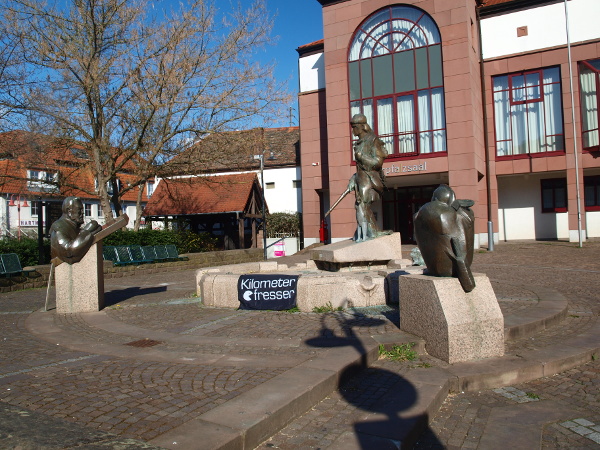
x=79, y=153
x=109, y=188
x=42, y=181
x=150, y=188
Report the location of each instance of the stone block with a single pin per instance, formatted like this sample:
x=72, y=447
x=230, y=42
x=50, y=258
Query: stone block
x=457, y=326
x=80, y=286
x=381, y=249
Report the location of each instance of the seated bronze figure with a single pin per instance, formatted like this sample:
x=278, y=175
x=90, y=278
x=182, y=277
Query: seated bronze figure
x=444, y=230
x=69, y=241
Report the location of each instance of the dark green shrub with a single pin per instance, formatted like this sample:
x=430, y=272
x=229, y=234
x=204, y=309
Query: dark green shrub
x=281, y=222
x=185, y=241
x=26, y=248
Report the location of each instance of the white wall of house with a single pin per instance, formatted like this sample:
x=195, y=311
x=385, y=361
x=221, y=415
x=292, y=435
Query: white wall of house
x=545, y=28
x=283, y=190
x=12, y=219
x=520, y=211
x=592, y=221
x=312, y=72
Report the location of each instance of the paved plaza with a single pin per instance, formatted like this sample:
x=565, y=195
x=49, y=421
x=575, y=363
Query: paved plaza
x=156, y=369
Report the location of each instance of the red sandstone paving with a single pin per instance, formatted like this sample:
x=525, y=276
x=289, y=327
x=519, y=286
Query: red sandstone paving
x=143, y=399
x=461, y=420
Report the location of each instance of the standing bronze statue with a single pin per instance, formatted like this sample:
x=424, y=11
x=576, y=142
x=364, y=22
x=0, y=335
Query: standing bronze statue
x=69, y=241
x=369, y=180
x=445, y=232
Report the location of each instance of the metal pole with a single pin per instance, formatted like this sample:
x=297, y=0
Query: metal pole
x=264, y=216
x=48, y=287
x=486, y=140
x=575, y=152
x=40, y=230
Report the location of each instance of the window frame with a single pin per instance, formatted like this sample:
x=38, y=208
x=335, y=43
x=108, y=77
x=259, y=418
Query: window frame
x=563, y=185
x=524, y=74
x=43, y=181
x=596, y=185
x=34, y=208
x=510, y=103
x=421, y=56
x=596, y=71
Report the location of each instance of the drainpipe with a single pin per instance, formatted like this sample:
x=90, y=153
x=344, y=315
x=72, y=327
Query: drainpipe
x=486, y=143
x=575, y=152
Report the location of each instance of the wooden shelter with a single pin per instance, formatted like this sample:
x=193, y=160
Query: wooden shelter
x=228, y=206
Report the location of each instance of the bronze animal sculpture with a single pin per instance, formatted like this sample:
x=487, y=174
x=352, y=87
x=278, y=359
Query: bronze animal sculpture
x=444, y=230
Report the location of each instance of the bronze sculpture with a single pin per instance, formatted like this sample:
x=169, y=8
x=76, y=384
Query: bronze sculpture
x=69, y=241
x=368, y=181
x=444, y=230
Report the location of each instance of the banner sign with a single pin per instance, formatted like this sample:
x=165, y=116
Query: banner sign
x=274, y=292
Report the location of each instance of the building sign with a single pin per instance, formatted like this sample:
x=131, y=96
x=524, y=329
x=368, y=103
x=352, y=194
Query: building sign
x=30, y=223
x=406, y=168
x=273, y=292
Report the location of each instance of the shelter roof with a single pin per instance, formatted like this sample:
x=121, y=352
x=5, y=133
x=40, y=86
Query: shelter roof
x=202, y=195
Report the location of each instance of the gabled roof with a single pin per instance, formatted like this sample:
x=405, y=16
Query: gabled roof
x=235, y=150
x=201, y=195
x=21, y=151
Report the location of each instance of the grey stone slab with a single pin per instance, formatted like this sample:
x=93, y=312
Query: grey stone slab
x=522, y=422
x=383, y=248
x=495, y=372
x=198, y=434
x=264, y=410
x=360, y=441
x=558, y=358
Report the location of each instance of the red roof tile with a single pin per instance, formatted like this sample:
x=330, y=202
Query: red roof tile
x=234, y=151
x=21, y=151
x=201, y=195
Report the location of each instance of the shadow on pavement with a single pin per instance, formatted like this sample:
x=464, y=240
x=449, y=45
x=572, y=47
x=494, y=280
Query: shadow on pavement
x=120, y=295
x=381, y=392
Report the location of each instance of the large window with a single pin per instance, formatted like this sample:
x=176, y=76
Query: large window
x=395, y=74
x=554, y=195
x=592, y=192
x=528, y=113
x=589, y=78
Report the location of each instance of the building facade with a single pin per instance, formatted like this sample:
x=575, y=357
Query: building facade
x=496, y=98
x=36, y=168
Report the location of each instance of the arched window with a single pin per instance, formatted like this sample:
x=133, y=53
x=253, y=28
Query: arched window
x=395, y=73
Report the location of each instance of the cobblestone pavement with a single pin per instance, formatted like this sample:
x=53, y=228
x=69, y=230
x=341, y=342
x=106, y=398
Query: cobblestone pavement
x=136, y=369
x=462, y=419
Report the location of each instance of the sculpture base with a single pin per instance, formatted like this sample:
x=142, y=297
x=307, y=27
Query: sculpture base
x=457, y=326
x=375, y=252
x=80, y=286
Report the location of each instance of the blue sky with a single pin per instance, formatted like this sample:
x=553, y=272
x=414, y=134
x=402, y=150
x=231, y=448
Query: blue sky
x=297, y=22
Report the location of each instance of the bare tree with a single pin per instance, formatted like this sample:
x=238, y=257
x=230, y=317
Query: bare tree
x=135, y=85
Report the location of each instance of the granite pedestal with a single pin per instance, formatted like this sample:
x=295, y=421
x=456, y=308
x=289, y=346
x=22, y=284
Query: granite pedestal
x=372, y=253
x=80, y=286
x=457, y=326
